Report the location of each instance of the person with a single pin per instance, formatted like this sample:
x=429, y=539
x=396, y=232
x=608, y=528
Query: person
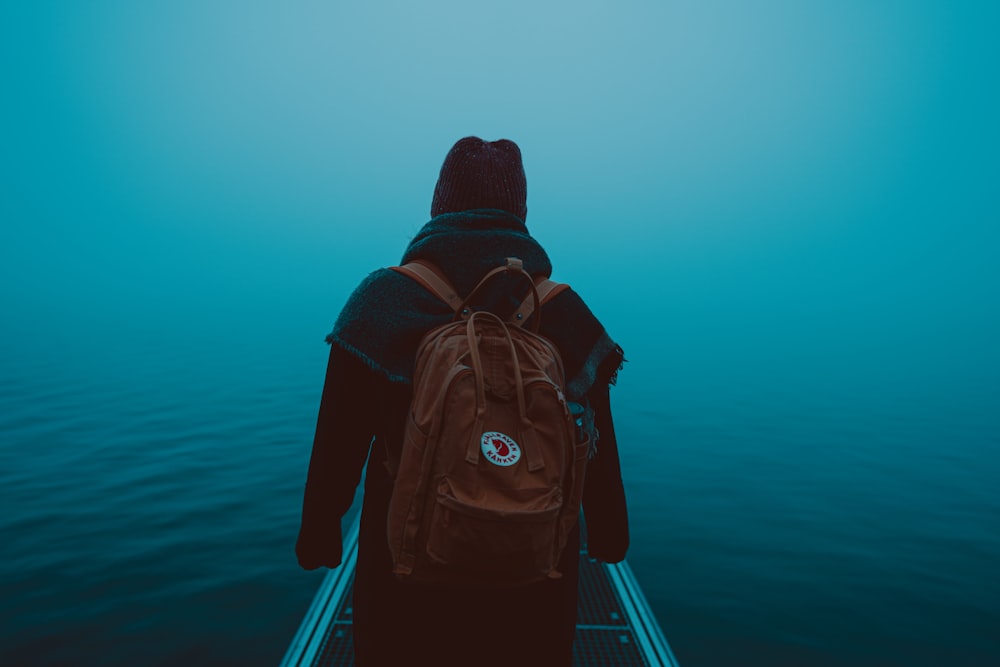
x=478, y=216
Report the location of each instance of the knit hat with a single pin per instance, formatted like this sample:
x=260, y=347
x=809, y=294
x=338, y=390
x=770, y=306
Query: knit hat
x=481, y=174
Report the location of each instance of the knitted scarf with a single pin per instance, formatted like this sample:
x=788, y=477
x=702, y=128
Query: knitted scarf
x=387, y=315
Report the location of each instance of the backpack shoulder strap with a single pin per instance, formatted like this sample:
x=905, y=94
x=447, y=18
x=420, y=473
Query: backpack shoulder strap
x=434, y=281
x=547, y=290
x=431, y=278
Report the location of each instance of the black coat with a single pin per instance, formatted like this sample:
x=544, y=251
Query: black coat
x=362, y=415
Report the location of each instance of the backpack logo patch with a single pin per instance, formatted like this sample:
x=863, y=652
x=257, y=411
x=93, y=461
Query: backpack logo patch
x=500, y=449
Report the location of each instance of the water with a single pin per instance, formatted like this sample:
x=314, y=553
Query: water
x=151, y=491
x=146, y=516
x=823, y=532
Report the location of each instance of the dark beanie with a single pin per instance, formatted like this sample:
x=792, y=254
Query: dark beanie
x=481, y=174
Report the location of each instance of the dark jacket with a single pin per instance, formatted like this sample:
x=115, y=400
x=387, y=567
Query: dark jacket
x=362, y=414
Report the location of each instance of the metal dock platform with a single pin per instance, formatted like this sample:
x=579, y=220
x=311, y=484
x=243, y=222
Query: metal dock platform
x=614, y=624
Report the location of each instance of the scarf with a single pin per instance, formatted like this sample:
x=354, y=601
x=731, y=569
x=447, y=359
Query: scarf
x=387, y=315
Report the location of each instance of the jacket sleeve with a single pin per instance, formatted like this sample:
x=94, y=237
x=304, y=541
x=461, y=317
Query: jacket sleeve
x=604, y=507
x=344, y=432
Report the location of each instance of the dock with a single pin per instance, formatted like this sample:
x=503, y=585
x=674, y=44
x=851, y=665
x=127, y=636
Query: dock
x=614, y=625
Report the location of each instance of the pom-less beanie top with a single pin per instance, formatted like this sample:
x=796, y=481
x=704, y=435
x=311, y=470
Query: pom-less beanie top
x=481, y=174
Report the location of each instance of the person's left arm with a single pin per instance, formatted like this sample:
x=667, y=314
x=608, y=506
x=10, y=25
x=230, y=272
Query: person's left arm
x=344, y=431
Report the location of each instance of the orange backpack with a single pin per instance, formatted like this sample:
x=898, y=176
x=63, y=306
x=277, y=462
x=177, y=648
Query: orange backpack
x=490, y=477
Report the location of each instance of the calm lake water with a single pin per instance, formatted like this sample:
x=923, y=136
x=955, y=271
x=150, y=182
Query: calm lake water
x=795, y=515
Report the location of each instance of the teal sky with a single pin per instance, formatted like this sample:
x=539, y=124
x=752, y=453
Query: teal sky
x=767, y=179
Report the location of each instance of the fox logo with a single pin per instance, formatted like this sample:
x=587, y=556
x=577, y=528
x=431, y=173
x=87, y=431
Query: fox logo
x=500, y=449
x=503, y=449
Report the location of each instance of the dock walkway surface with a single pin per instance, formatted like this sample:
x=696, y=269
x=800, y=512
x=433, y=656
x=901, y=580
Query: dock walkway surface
x=615, y=625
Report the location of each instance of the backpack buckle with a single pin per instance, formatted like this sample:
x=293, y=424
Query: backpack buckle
x=514, y=264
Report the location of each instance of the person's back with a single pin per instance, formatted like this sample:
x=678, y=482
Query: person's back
x=478, y=213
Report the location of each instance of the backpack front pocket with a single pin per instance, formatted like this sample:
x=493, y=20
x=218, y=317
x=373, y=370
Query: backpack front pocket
x=505, y=539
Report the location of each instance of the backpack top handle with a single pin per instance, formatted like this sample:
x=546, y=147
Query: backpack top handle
x=514, y=266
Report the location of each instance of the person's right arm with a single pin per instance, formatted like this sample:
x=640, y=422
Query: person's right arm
x=604, y=507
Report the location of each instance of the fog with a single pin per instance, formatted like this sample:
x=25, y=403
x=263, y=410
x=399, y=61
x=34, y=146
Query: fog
x=730, y=185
